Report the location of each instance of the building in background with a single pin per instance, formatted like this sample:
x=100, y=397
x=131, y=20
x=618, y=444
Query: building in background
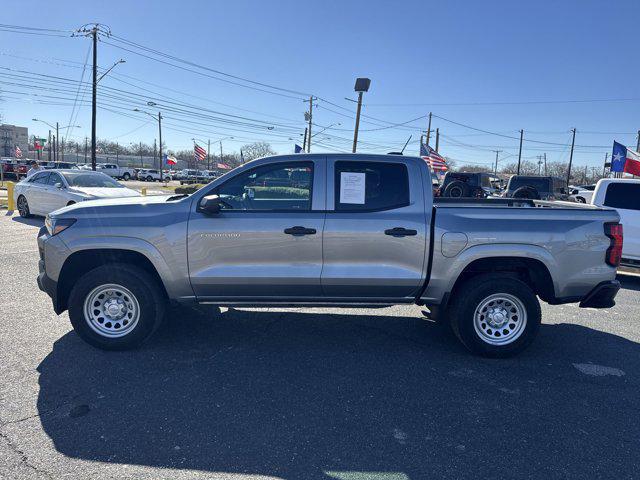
x=12, y=136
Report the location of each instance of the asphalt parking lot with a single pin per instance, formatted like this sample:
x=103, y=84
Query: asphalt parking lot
x=311, y=393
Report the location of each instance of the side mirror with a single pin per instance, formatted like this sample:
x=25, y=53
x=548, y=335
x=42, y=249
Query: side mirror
x=210, y=205
x=59, y=186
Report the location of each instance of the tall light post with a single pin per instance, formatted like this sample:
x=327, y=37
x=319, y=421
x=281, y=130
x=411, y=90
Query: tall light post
x=157, y=118
x=57, y=127
x=362, y=85
x=220, y=140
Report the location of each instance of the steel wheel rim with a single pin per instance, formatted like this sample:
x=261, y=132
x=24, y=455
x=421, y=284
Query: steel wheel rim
x=111, y=310
x=500, y=319
x=22, y=206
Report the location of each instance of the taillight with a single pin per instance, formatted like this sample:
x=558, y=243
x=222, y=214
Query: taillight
x=614, y=252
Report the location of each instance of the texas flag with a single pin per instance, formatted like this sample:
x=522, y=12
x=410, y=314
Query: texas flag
x=624, y=159
x=170, y=160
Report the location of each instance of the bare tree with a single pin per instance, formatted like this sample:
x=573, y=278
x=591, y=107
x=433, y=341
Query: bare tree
x=257, y=150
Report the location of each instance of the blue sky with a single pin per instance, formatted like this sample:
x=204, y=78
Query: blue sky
x=483, y=64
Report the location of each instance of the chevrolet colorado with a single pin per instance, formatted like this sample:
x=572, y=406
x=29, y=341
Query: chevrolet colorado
x=328, y=230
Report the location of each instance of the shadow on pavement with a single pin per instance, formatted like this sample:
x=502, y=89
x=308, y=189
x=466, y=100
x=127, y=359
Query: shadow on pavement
x=305, y=395
x=33, y=221
x=630, y=282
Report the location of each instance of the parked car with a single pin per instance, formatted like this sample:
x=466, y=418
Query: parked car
x=61, y=166
x=537, y=188
x=148, y=175
x=189, y=175
x=624, y=195
x=49, y=190
x=15, y=170
x=116, y=171
x=463, y=185
x=362, y=230
x=582, y=193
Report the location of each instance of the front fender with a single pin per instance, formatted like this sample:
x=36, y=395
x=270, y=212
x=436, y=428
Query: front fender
x=173, y=275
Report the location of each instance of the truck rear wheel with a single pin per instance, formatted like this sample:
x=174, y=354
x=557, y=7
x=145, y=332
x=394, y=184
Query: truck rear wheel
x=494, y=315
x=116, y=307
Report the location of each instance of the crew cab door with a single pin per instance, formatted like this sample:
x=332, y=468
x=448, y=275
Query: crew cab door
x=376, y=230
x=266, y=241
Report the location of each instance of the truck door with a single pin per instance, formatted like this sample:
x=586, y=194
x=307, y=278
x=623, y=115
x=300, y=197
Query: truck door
x=267, y=239
x=376, y=230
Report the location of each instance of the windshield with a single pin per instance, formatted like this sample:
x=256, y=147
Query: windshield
x=90, y=179
x=541, y=184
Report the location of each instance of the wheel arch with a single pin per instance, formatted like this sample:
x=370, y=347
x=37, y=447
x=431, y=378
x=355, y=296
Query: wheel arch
x=82, y=261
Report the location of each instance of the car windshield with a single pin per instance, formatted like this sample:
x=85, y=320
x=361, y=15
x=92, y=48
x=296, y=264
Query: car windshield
x=541, y=184
x=90, y=179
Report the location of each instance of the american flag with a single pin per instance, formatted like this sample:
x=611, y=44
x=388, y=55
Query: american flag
x=199, y=153
x=433, y=159
x=18, y=152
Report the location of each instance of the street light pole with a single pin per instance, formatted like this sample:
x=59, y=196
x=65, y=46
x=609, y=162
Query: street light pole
x=56, y=155
x=362, y=85
x=160, y=137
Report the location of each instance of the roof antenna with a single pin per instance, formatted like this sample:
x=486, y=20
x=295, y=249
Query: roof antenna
x=405, y=145
x=401, y=151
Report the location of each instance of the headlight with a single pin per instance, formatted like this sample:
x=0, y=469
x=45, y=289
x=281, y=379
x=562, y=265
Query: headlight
x=56, y=225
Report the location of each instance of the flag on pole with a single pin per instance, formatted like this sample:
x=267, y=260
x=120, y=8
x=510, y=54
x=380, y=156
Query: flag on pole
x=436, y=161
x=18, y=152
x=241, y=156
x=624, y=159
x=199, y=153
x=170, y=160
x=298, y=149
x=223, y=166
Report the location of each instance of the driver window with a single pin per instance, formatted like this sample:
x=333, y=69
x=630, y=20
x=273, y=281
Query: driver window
x=281, y=187
x=53, y=179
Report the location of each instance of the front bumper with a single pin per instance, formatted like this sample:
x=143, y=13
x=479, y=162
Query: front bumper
x=48, y=286
x=602, y=296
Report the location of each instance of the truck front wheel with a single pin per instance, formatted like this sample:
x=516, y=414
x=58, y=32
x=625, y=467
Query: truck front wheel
x=494, y=315
x=116, y=306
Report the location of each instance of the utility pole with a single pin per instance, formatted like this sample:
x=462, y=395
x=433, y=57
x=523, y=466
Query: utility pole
x=160, y=140
x=56, y=153
x=117, y=154
x=221, y=150
x=437, y=139
x=49, y=145
x=85, y=149
x=140, y=151
x=638, y=144
x=309, y=127
x=539, y=157
x=573, y=142
x=520, y=151
x=155, y=151
x=545, y=163
x=495, y=170
x=62, y=150
x=94, y=34
x=604, y=167
x=209, y=148
x=429, y=129
x=55, y=158
x=304, y=141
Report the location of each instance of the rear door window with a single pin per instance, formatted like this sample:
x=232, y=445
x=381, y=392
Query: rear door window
x=623, y=195
x=370, y=186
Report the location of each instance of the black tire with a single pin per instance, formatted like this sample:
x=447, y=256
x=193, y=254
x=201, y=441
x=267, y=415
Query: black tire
x=456, y=189
x=126, y=177
x=473, y=293
x=144, y=288
x=580, y=200
x=23, y=207
x=527, y=193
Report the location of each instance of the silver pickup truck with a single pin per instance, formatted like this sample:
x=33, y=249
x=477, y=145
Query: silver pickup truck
x=328, y=230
